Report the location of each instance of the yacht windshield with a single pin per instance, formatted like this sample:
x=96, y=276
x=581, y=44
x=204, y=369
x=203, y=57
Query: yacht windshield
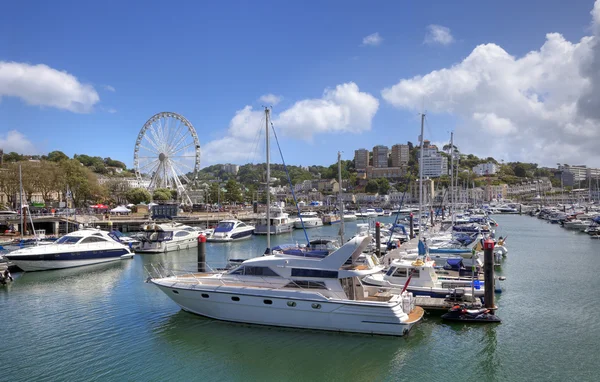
x=158, y=236
x=68, y=240
x=224, y=227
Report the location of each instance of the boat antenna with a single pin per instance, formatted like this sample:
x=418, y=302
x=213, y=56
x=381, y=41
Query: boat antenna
x=268, y=183
x=421, y=176
x=340, y=198
x=291, y=185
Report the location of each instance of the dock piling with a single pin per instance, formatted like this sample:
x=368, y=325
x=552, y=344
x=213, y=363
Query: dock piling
x=378, y=239
x=488, y=273
x=202, y=253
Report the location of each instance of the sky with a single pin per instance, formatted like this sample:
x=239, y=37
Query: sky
x=516, y=80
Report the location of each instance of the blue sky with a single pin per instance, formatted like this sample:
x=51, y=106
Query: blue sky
x=209, y=60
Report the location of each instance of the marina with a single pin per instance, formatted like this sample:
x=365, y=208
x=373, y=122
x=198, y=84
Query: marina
x=103, y=311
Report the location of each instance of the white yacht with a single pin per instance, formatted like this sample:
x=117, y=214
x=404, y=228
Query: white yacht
x=84, y=247
x=349, y=216
x=297, y=292
x=367, y=213
x=423, y=280
x=165, y=237
x=310, y=219
x=231, y=230
x=280, y=222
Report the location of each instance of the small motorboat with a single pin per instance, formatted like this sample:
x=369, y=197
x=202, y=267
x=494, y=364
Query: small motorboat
x=459, y=313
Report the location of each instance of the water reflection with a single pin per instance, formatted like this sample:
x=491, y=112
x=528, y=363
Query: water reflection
x=254, y=351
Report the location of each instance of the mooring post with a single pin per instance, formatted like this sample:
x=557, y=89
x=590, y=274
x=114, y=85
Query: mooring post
x=378, y=239
x=412, y=230
x=488, y=273
x=202, y=253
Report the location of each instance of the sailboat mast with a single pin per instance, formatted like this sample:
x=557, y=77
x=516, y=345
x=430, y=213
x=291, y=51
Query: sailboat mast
x=21, y=200
x=421, y=175
x=268, y=182
x=452, y=177
x=340, y=199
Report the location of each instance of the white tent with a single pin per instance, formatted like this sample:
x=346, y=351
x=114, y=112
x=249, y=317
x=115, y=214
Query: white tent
x=120, y=210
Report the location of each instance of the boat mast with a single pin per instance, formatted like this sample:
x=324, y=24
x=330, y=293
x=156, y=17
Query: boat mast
x=341, y=200
x=421, y=175
x=21, y=200
x=452, y=177
x=268, y=251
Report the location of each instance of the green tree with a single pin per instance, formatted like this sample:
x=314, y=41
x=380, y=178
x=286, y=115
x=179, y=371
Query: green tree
x=520, y=170
x=82, y=183
x=213, y=192
x=57, y=156
x=233, y=193
x=138, y=195
x=383, y=186
x=13, y=157
x=161, y=194
x=372, y=186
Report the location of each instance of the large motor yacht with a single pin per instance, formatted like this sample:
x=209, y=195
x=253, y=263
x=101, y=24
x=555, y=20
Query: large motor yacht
x=299, y=292
x=308, y=219
x=84, y=247
x=280, y=222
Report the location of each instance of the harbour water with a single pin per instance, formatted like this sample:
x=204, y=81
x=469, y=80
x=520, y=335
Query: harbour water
x=104, y=323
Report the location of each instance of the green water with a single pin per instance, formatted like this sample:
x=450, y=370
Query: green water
x=104, y=323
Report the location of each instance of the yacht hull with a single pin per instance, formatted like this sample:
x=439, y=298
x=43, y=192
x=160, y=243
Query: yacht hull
x=270, y=307
x=229, y=238
x=167, y=246
x=308, y=223
x=275, y=229
x=65, y=260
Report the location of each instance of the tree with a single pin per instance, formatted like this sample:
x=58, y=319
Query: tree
x=383, y=186
x=9, y=182
x=161, y=194
x=520, y=170
x=50, y=179
x=138, y=195
x=233, y=193
x=372, y=186
x=82, y=183
x=213, y=192
x=57, y=156
x=13, y=157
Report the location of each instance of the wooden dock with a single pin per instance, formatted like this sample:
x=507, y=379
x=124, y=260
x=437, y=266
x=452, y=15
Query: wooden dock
x=439, y=304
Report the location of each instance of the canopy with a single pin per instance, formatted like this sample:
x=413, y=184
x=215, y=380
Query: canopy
x=130, y=205
x=99, y=207
x=120, y=209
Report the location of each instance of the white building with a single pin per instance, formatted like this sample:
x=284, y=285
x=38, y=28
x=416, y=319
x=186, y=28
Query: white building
x=434, y=165
x=231, y=168
x=485, y=169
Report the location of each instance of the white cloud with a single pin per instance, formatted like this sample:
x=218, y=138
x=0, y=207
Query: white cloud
x=270, y=99
x=17, y=142
x=109, y=88
x=438, y=34
x=372, y=40
x=41, y=85
x=543, y=107
x=342, y=109
x=111, y=110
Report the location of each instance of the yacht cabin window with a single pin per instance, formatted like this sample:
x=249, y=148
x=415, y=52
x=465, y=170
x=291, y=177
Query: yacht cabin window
x=92, y=239
x=300, y=272
x=254, y=271
x=304, y=284
x=68, y=240
x=401, y=272
x=182, y=233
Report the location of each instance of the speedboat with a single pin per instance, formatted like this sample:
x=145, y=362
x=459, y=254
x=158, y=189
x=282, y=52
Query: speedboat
x=308, y=220
x=165, y=237
x=280, y=222
x=231, y=230
x=296, y=292
x=84, y=247
x=331, y=218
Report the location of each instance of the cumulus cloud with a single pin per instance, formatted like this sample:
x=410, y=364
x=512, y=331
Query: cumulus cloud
x=17, y=142
x=341, y=109
x=438, y=34
x=41, y=85
x=270, y=99
x=373, y=39
x=542, y=107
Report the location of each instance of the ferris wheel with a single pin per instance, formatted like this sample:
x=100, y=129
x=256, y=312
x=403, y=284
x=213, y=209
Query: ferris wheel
x=166, y=151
